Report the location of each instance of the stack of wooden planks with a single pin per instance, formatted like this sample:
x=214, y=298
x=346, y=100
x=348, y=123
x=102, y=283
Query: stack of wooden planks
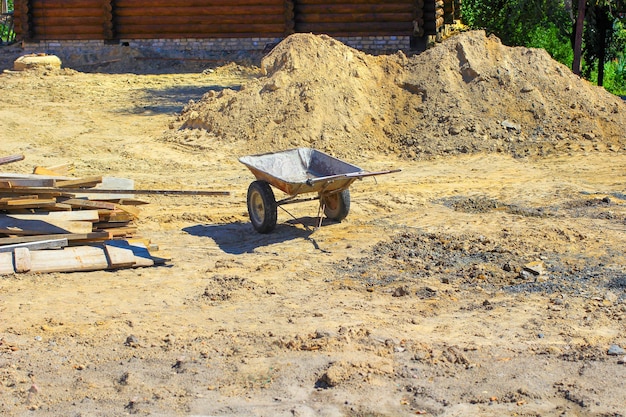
x=52, y=222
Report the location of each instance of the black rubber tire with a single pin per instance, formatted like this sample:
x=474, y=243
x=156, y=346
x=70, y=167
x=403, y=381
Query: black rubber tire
x=336, y=205
x=262, y=207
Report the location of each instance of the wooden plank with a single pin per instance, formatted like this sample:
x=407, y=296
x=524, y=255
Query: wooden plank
x=119, y=257
x=132, y=210
x=80, y=203
x=72, y=192
x=126, y=231
x=55, y=170
x=26, y=182
x=71, y=237
x=111, y=184
x=45, y=171
x=19, y=227
x=71, y=259
x=22, y=203
x=11, y=158
x=38, y=245
x=76, y=215
x=78, y=182
x=21, y=260
x=109, y=255
x=6, y=263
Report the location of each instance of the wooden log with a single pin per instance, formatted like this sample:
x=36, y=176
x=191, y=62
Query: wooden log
x=224, y=34
x=379, y=19
x=191, y=12
x=353, y=8
x=184, y=23
x=11, y=158
x=47, y=4
x=52, y=13
x=147, y=4
x=196, y=30
x=364, y=28
x=355, y=2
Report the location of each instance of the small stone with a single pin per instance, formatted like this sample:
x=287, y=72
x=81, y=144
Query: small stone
x=508, y=125
x=455, y=129
x=131, y=341
x=536, y=268
x=615, y=350
x=400, y=292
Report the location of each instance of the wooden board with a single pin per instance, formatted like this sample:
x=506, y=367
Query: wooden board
x=38, y=245
x=72, y=237
x=12, y=226
x=76, y=215
x=113, y=254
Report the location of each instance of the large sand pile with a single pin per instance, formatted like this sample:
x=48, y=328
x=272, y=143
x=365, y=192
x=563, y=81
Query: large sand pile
x=467, y=94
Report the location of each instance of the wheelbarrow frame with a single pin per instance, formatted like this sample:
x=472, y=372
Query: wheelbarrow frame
x=295, y=172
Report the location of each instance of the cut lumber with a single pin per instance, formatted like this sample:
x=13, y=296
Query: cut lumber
x=78, y=258
x=22, y=203
x=113, y=254
x=76, y=215
x=78, y=183
x=80, y=203
x=71, y=237
x=26, y=182
x=38, y=245
x=119, y=257
x=13, y=226
x=56, y=170
x=21, y=260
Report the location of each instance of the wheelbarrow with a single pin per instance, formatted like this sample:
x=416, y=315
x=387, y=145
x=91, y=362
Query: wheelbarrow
x=296, y=172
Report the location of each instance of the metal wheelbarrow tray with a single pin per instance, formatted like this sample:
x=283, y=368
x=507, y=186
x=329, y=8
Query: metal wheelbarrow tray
x=299, y=171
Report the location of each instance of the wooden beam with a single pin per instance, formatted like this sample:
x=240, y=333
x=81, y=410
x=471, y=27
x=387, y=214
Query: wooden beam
x=10, y=158
x=38, y=245
x=71, y=237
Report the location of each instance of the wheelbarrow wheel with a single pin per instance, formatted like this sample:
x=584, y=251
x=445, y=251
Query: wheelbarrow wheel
x=336, y=205
x=262, y=206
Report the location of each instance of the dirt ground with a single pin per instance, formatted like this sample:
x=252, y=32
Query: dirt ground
x=487, y=278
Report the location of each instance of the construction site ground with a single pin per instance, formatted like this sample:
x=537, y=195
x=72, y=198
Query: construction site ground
x=487, y=278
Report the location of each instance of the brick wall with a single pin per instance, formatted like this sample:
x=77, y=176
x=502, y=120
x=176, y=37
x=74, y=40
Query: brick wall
x=74, y=53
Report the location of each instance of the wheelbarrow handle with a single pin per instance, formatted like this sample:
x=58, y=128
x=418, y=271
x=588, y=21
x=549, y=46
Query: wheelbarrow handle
x=358, y=175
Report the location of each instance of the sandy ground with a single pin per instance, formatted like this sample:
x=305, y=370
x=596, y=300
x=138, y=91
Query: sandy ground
x=416, y=304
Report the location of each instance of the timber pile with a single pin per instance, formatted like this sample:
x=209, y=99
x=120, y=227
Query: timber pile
x=50, y=222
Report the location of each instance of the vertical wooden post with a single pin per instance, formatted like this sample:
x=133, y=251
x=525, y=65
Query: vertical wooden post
x=578, y=37
x=4, y=6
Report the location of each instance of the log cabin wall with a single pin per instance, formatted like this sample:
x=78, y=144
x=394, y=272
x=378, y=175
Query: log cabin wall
x=228, y=24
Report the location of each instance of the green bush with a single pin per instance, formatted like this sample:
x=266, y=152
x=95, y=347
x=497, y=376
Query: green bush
x=614, y=76
x=550, y=39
